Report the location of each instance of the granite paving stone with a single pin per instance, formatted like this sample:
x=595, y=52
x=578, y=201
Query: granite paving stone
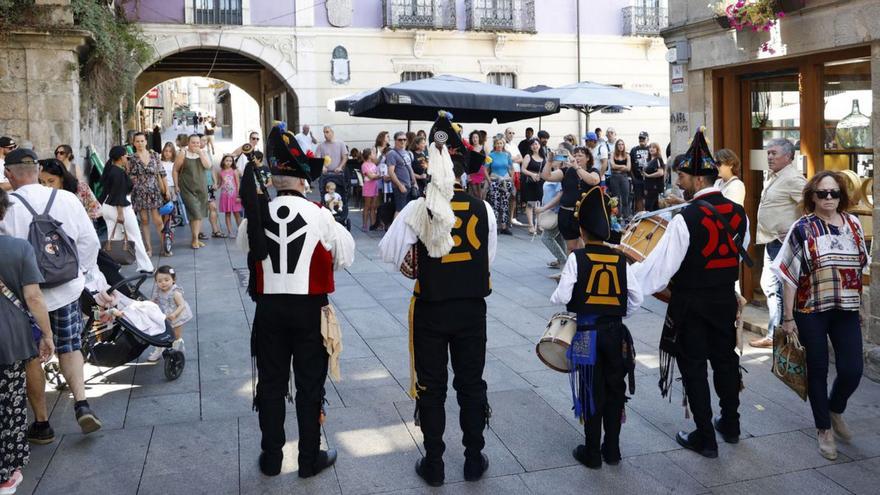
x=199, y=434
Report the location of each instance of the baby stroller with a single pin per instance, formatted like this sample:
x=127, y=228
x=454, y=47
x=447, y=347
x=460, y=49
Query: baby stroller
x=118, y=341
x=342, y=188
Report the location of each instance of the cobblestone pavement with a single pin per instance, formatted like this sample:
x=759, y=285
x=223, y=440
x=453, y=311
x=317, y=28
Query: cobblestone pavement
x=199, y=435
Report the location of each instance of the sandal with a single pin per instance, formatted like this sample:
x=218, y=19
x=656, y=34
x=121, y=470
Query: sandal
x=202, y=236
x=219, y=234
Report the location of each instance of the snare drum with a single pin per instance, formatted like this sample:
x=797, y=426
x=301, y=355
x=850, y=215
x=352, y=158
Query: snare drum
x=644, y=233
x=554, y=343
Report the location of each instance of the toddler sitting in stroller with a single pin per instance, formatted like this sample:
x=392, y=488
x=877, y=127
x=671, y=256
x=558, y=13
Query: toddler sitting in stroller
x=332, y=199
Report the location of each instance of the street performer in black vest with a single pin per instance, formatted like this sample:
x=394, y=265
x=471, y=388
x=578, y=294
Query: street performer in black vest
x=596, y=285
x=698, y=258
x=446, y=241
x=293, y=245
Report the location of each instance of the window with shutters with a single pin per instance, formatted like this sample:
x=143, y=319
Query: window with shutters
x=414, y=75
x=506, y=79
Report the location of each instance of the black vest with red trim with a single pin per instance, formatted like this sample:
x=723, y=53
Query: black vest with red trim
x=712, y=258
x=601, y=282
x=296, y=231
x=464, y=272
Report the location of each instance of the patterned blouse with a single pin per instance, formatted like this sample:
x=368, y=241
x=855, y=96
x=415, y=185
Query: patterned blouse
x=824, y=262
x=89, y=202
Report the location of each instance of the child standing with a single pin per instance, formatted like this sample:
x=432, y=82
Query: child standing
x=596, y=285
x=230, y=204
x=370, y=172
x=169, y=297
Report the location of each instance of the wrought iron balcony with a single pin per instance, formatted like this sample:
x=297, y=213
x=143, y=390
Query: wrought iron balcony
x=419, y=14
x=501, y=15
x=226, y=12
x=643, y=21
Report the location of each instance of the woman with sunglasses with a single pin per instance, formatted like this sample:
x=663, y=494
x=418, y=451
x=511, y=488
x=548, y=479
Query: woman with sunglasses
x=64, y=154
x=821, y=264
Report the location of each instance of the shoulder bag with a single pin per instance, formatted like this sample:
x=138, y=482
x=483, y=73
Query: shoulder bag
x=122, y=250
x=35, y=329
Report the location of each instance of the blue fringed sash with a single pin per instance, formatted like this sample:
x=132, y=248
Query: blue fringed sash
x=582, y=356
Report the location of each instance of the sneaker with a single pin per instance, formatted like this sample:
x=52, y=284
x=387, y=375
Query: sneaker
x=178, y=346
x=841, y=429
x=10, y=485
x=88, y=422
x=40, y=435
x=827, y=447
x=155, y=355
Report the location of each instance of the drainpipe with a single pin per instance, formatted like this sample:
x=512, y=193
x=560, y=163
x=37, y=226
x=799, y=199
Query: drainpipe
x=578, y=14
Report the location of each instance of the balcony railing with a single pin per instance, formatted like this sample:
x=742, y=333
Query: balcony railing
x=643, y=21
x=227, y=12
x=501, y=15
x=419, y=14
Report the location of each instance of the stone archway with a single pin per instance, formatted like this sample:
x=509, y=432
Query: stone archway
x=270, y=78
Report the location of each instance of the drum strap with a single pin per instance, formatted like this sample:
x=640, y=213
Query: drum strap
x=736, y=239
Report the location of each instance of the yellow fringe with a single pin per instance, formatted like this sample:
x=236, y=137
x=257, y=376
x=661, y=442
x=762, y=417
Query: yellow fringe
x=414, y=386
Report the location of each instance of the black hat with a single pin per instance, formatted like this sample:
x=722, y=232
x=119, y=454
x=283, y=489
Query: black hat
x=117, y=152
x=698, y=159
x=643, y=135
x=21, y=156
x=592, y=213
x=290, y=159
x=445, y=132
x=7, y=142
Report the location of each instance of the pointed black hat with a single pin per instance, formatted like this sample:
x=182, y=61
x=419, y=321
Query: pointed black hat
x=698, y=159
x=444, y=131
x=289, y=157
x=592, y=213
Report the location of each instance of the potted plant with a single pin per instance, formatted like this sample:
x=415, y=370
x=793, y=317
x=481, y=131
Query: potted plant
x=759, y=15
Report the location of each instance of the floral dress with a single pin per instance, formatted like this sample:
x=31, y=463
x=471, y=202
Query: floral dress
x=146, y=193
x=165, y=301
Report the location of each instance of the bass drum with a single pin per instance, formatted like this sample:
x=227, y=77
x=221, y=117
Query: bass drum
x=556, y=340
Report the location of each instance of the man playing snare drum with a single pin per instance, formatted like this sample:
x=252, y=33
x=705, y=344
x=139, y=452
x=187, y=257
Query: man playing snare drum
x=698, y=258
x=596, y=285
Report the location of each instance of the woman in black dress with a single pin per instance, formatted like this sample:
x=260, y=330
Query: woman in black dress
x=576, y=178
x=531, y=188
x=654, y=172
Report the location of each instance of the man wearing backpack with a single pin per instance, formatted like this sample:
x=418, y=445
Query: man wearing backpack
x=64, y=216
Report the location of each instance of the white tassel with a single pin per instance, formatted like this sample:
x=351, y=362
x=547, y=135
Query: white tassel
x=433, y=217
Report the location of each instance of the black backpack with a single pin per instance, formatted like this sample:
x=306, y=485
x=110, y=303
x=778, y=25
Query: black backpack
x=56, y=253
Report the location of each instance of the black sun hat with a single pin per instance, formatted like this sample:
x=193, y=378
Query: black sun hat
x=592, y=213
x=290, y=158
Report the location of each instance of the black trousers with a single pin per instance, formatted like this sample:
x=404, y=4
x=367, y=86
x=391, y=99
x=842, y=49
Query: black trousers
x=609, y=392
x=707, y=332
x=455, y=328
x=287, y=329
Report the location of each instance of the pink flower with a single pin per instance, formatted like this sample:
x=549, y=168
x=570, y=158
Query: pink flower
x=767, y=28
x=740, y=3
x=780, y=14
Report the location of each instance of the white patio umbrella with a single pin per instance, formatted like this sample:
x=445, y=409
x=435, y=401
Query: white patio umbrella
x=588, y=97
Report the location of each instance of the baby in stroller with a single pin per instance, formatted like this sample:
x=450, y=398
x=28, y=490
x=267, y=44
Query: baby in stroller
x=121, y=322
x=334, y=201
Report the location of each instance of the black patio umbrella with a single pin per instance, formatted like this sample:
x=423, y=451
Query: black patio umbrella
x=469, y=101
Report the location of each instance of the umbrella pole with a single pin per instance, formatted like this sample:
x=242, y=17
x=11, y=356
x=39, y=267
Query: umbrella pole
x=408, y=125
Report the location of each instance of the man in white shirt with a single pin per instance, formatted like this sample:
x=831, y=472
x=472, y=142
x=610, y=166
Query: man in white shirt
x=62, y=301
x=600, y=154
x=306, y=140
x=700, y=254
x=517, y=161
x=777, y=211
x=455, y=244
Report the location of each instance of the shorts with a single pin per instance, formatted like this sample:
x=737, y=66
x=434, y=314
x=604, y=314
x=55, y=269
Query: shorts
x=67, y=327
x=568, y=225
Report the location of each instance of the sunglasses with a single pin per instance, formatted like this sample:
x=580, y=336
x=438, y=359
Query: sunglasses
x=825, y=193
x=401, y=140
x=60, y=152
x=255, y=139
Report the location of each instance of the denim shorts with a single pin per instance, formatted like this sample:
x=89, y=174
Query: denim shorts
x=67, y=326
